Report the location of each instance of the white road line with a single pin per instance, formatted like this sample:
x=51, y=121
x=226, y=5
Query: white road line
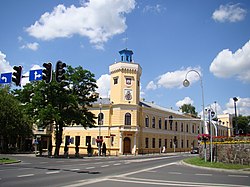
x=117, y=164
x=52, y=172
x=238, y=176
x=75, y=169
x=60, y=161
x=43, y=162
x=27, y=175
x=105, y=166
x=90, y=168
x=203, y=174
x=175, y=173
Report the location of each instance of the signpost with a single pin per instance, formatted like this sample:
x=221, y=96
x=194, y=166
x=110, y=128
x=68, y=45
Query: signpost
x=36, y=75
x=5, y=78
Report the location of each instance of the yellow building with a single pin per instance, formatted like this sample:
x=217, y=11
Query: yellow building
x=129, y=125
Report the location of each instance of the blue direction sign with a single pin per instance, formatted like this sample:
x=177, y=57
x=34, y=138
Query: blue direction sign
x=5, y=78
x=36, y=75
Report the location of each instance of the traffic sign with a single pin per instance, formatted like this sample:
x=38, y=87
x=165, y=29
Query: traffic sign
x=5, y=78
x=36, y=75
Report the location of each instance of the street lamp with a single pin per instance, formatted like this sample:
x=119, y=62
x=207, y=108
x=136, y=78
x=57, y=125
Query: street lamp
x=186, y=83
x=100, y=121
x=235, y=112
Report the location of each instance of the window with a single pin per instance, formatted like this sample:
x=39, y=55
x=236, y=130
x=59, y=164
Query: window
x=176, y=142
x=128, y=81
x=159, y=143
x=116, y=80
x=153, y=122
x=77, y=142
x=176, y=126
x=127, y=119
x=181, y=127
x=182, y=143
x=67, y=140
x=166, y=143
x=171, y=122
x=159, y=123
x=146, y=142
x=166, y=123
x=171, y=143
x=153, y=143
x=88, y=140
x=187, y=144
x=100, y=118
x=193, y=129
x=187, y=128
x=146, y=121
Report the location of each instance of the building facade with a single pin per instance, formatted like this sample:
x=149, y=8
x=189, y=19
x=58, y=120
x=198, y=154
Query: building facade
x=129, y=125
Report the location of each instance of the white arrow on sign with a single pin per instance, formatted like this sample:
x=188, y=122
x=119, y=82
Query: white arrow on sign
x=37, y=75
x=4, y=79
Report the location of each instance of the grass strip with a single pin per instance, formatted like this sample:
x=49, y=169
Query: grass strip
x=201, y=162
x=7, y=161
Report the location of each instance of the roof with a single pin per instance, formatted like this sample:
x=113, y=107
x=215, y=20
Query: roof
x=155, y=106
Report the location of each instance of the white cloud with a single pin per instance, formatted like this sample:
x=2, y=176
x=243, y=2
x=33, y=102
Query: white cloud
x=97, y=20
x=242, y=106
x=229, y=12
x=33, y=46
x=175, y=79
x=4, y=65
x=186, y=100
x=103, y=84
x=151, y=86
x=154, y=9
x=227, y=64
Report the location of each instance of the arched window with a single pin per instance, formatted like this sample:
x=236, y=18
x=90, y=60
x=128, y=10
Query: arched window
x=146, y=121
x=100, y=118
x=153, y=122
x=159, y=123
x=166, y=123
x=127, y=119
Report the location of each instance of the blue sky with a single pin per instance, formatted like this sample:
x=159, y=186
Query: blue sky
x=168, y=38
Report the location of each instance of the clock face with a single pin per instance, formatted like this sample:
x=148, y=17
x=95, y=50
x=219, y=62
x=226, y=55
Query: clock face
x=128, y=94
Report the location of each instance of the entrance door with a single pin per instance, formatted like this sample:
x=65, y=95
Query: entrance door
x=127, y=146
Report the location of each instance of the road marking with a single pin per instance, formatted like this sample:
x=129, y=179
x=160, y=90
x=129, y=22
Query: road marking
x=27, y=175
x=60, y=161
x=90, y=168
x=203, y=174
x=175, y=173
x=43, y=162
x=238, y=176
x=117, y=164
x=75, y=169
x=105, y=166
x=52, y=172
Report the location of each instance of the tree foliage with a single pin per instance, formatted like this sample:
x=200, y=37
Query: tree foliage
x=61, y=104
x=243, y=124
x=14, y=124
x=188, y=109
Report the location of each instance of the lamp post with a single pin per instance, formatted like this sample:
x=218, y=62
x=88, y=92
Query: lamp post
x=186, y=83
x=235, y=112
x=100, y=123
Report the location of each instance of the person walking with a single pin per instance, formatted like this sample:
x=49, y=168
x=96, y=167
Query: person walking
x=104, y=149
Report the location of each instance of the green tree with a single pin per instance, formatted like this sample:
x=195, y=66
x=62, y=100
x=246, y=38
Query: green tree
x=61, y=104
x=243, y=124
x=188, y=109
x=15, y=126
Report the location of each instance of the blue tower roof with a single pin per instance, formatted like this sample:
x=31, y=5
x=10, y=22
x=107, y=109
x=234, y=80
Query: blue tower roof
x=126, y=55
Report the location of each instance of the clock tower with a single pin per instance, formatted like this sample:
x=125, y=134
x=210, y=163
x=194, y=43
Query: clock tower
x=125, y=79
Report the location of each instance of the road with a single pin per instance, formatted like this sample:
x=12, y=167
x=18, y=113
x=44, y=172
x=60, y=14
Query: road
x=136, y=171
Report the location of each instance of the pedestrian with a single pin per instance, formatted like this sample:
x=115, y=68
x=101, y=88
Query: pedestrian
x=104, y=149
x=163, y=149
x=89, y=150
